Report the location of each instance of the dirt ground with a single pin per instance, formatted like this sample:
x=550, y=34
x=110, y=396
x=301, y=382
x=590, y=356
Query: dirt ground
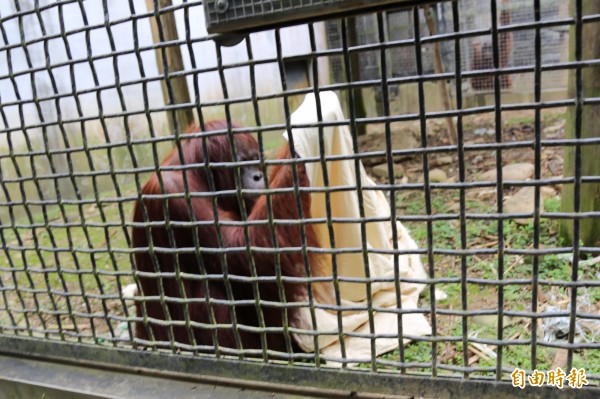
x=478, y=130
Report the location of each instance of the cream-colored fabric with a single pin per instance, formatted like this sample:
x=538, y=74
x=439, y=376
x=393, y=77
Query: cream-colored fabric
x=344, y=204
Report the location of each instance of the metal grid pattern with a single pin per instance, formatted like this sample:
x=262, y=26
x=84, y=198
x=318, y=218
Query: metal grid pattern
x=235, y=15
x=476, y=49
x=78, y=143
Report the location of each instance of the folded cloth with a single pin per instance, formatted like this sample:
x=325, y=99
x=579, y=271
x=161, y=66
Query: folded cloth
x=337, y=140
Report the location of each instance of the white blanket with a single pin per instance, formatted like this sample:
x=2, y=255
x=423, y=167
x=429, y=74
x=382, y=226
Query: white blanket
x=344, y=204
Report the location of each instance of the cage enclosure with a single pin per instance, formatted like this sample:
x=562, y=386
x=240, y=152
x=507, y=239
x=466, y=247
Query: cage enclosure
x=300, y=197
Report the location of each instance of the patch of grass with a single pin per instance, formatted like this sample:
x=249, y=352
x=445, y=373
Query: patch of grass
x=518, y=120
x=588, y=360
x=483, y=234
x=416, y=352
x=553, y=116
x=49, y=269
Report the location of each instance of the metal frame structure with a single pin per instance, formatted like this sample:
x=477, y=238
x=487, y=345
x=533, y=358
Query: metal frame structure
x=52, y=314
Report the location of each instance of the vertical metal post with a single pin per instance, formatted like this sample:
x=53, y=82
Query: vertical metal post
x=173, y=63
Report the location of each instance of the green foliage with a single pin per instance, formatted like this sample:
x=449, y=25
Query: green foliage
x=446, y=234
x=419, y=352
x=588, y=360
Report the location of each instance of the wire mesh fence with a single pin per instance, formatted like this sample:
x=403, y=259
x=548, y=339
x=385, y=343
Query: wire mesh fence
x=454, y=238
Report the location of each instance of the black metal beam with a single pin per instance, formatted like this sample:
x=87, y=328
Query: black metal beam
x=26, y=378
x=257, y=375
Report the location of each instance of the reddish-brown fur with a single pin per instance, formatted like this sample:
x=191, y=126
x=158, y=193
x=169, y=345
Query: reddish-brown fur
x=288, y=235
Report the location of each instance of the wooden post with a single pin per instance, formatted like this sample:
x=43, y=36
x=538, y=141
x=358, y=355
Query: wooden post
x=439, y=69
x=589, y=228
x=359, y=101
x=179, y=88
x=505, y=43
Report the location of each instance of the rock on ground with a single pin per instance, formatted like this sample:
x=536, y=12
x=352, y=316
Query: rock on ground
x=381, y=171
x=515, y=171
x=437, y=176
x=401, y=140
x=523, y=201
